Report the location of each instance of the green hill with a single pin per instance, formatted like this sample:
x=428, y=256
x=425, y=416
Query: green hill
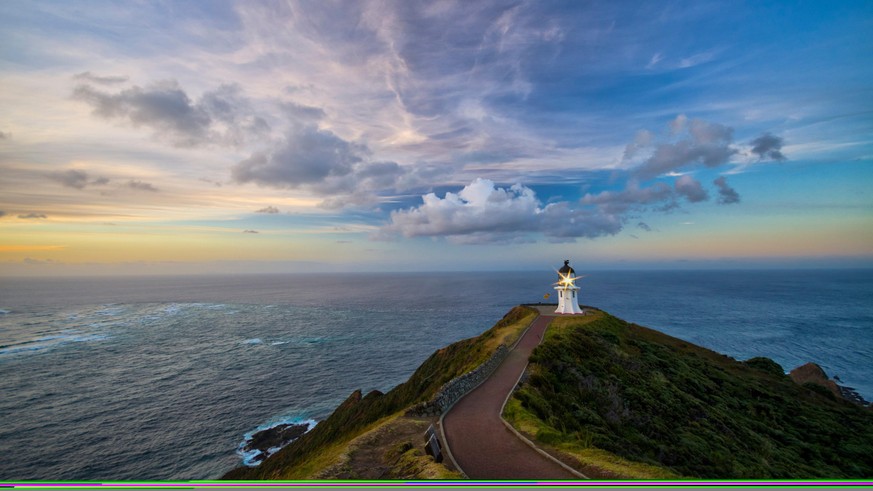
x=616, y=399
x=605, y=390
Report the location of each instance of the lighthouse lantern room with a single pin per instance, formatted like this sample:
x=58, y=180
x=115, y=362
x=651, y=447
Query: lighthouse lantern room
x=568, y=297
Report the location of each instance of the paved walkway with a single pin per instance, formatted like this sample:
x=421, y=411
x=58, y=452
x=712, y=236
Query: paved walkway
x=480, y=443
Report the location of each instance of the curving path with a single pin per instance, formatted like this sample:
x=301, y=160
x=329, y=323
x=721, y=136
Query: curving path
x=480, y=443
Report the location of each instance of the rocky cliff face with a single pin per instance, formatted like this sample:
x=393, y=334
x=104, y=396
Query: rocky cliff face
x=815, y=375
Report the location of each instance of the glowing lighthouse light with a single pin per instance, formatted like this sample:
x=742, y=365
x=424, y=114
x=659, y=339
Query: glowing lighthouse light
x=568, y=298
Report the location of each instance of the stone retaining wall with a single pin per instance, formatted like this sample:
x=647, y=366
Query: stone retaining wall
x=459, y=386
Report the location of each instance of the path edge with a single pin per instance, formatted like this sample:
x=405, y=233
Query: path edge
x=526, y=440
x=448, y=448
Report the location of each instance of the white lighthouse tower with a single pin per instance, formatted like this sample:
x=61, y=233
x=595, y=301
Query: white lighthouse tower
x=568, y=298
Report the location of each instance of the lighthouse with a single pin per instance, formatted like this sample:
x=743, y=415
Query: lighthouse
x=568, y=298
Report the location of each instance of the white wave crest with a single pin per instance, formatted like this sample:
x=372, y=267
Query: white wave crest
x=252, y=458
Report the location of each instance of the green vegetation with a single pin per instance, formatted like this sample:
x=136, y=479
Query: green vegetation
x=593, y=462
x=359, y=414
x=608, y=391
x=765, y=365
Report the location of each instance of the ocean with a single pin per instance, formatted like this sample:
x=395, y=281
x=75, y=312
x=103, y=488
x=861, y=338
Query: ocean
x=163, y=378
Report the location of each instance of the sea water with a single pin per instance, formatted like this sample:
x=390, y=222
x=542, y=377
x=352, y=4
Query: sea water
x=165, y=377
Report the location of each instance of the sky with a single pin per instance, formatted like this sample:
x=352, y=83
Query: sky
x=157, y=137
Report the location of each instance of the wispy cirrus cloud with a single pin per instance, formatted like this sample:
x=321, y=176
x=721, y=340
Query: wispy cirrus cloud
x=364, y=107
x=32, y=216
x=101, y=80
x=77, y=179
x=141, y=186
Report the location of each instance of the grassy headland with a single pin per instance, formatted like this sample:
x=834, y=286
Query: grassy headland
x=627, y=401
x=330, y=443
x=616, y=399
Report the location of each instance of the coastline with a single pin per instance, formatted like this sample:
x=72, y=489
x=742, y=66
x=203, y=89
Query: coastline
x=427, y=410
x=139, y=328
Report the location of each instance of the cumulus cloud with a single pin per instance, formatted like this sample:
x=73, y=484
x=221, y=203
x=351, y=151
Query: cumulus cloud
x=30, y=216
x=768, y=146
x=102, y=80
x=141, y=186
x=75, y=178
x=726, y=194
x=221, y=116
x=371, y=183
x=323, y=163
x=2, y=213
x=678, y=124
x=308, y=155
x=699, y=143
x=478, y=207
x=642, y=140
x=484, y=213
x=163, y=107
x=270, y=209
x=690, y=189
x=563, y=220
x=232, y=119
x=649, y=158
x=362, y=185
x=631, y=197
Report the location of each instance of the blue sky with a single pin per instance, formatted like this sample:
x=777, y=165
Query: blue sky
x=281, y=136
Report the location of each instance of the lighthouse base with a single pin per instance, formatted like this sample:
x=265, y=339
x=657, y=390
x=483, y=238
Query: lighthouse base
x=568, y=301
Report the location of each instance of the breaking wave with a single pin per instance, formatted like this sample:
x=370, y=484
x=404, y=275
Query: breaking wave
x=252, y=457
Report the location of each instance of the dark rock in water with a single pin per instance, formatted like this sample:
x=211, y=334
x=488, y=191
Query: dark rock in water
x=277, y=436
x=850, y=394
